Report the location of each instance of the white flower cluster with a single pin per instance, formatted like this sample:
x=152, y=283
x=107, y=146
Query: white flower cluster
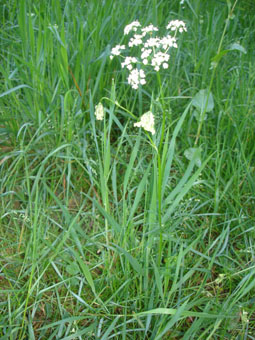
x=136, y=77
x=128, y=63
x=99, y=111
x=136, y=40
x=168, y=41
x=150, y=50
x=158, y=59
x=149, y=29
x=132, y=27
x=117, y=50
x=177, y=25
x=147, y=122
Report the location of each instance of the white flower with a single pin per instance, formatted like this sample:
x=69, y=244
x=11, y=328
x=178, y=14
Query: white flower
x=152, y=42
x=168, y=42
x=99, y=111
x=116, y=50
x=136, y=40
x=146, y=53
x=149, y=29
x=136, y=78
x=175, y=25
x=147, y=122
x=128, y=62
x=158, y=59
x=153, y=51
x=132, y=27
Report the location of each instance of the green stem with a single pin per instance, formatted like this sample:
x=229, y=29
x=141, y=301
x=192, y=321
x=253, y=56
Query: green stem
x=164, y=115
x=104, y=183
x=160, y=172
x=159, y=209
x=121, y=107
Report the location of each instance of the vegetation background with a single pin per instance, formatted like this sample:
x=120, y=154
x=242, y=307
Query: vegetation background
x=79, y=232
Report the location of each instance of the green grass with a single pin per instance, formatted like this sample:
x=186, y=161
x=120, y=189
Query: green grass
x=83, y=252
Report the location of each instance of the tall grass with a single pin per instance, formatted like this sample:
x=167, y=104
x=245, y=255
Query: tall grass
x=83, y=254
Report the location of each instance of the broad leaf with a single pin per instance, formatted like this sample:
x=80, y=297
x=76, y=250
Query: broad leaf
x=73, y=269
x=193, y=152
x=201, y=102
x=238, y=47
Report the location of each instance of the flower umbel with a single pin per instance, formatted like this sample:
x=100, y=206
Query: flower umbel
x=176, y=25
x=99, y=111
x=147, y=122
x=148, y=49
x=145, y=50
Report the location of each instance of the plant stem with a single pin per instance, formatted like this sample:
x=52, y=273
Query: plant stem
x=160, y=172
x=159, y=208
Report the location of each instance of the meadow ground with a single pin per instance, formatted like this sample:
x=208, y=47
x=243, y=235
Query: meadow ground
x=109, y=231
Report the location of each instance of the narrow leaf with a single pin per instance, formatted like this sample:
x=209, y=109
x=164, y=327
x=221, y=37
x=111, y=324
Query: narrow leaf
x=85, y=270
x=14, y=89
x=134, y=263
x=186, y=313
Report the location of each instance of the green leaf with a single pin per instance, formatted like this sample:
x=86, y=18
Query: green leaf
x=133, y=261
x=238, y=47
x=85, y=270
x=203, y=101
x=110, y=329
x=170, y=153
x=88, y=330
x=194, y=152
x=186, y=313
x=14, y=89
x=218, y=56
x=184, y=187
x=235, y=46
x=139, y=193
x=175, y=318
x=109, y=217
x=158, y=280
x=131, y=164
x=73, y=269
x=229, y=5
x=198, y=116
